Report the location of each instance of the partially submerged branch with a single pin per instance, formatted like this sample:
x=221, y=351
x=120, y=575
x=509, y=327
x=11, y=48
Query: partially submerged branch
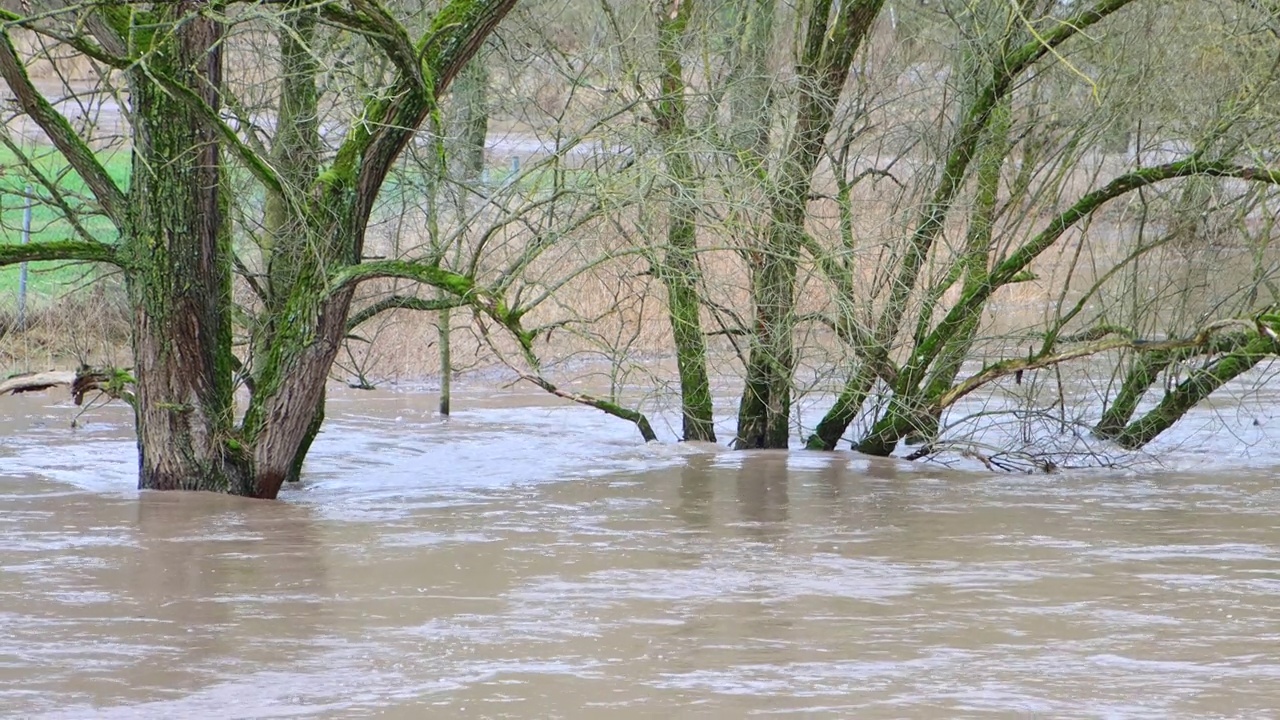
x=1193, y=390
x=534, y=375
x=1201, y=341
x=614, y=409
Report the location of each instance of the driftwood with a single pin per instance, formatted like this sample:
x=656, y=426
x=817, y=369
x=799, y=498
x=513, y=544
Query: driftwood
x=34, y=382
x=112, y=382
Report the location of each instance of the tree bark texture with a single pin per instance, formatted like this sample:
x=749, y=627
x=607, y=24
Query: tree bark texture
x=177, y=247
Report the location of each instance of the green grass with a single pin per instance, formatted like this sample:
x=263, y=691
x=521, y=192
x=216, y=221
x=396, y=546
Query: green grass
x=48, y=281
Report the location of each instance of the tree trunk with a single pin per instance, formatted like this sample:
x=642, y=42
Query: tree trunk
x=849, y=403
x=284, y=411
x=1140, y=377
x=679, y=267
x=830, y=45
x=177, y=245
x=300, y=457
x=468, y=125
x=764, y=414
x=295, y=154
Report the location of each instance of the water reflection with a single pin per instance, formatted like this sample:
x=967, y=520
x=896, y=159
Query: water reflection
x=696, y=492
x=762, y=495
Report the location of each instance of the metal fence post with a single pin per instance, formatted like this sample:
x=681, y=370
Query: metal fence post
x=22, y=269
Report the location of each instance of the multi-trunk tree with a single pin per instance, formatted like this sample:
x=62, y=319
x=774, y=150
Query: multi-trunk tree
x=175, y=246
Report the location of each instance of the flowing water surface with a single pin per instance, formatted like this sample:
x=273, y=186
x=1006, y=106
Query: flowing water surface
x=537, y=562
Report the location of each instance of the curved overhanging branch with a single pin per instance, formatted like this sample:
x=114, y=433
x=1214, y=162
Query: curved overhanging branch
x=60, y=133
x=1200, y=384
x=466, y=292
x=461, y=286
x=371, y=19
x=60, y=250
x=1064, y=29
x=535, y=377
x=427, y=274
x=1259, y=340
x=457, y=31
x=612, y=408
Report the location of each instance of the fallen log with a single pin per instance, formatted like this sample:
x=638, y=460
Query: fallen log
x=34, y=382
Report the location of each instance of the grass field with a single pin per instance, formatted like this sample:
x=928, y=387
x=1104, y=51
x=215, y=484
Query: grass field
x=49, y=281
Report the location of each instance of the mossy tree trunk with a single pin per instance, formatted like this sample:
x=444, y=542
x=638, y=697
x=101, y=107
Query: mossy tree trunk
x=678, y=269
x=1142, y=374
x=902, y=418
x=295, y=154
x=176, y=243
x=1190, y=392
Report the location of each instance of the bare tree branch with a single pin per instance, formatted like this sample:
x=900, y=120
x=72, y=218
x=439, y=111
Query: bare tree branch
x=401, y=302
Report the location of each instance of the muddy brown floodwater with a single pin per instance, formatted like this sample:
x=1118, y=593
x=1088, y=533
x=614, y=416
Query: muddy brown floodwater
x=537, y=562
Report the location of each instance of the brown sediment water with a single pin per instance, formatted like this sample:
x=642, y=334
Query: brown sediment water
x=531, y=561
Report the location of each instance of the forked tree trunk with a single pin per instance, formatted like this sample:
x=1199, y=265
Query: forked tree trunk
x=903, y=417
x=290, y=369
x=832, y=39
x=1009, y=63
x=178, y=249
